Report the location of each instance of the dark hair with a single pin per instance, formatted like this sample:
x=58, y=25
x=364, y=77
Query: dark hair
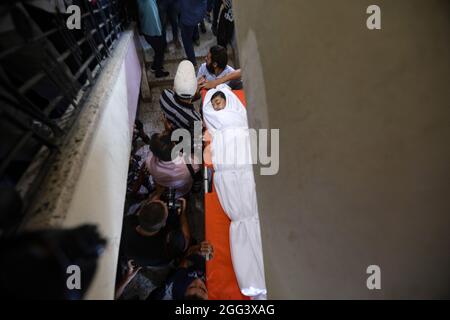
x=152, y=216
x=219, y=94
x=34, y=264
x=161, y=145
x=219, y=55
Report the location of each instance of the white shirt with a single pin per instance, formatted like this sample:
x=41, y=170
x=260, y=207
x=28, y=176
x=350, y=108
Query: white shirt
x=203, y=72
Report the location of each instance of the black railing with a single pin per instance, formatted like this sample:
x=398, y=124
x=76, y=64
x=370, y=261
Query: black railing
x=46, y=73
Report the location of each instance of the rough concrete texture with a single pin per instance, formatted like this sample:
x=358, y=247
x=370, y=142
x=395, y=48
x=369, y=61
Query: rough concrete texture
x=364, y=144
x=56, y=192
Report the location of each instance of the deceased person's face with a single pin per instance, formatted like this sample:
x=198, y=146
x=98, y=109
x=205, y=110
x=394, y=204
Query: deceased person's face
x=218, y=103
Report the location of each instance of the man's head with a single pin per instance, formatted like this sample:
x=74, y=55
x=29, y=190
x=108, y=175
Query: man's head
x=185, y=83
x=196, y=290
x=152, y=216
x=216, y=60
x=218, y=101
x=161, y=146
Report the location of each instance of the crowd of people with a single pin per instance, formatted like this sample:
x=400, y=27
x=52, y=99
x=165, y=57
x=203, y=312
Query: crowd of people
x=186, y=18
x=155, y=229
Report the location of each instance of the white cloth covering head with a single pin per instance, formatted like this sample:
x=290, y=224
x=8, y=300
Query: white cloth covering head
x=185, y=82
x=234, y=115
x=235, y=186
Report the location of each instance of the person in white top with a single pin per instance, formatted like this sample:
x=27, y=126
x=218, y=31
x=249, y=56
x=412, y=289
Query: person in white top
x=216, y=71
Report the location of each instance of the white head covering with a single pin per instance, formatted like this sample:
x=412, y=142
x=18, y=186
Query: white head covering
x=185, y=83
x=234, y=115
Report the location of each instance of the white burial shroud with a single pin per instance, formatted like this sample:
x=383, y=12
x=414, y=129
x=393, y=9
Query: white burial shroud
x=235, y=186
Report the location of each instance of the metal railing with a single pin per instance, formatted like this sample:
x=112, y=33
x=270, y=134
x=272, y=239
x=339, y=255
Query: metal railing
x=46, y=73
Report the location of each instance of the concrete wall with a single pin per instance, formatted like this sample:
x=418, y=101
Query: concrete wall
x=87, y=182
x=99, y=196
x=365, y=160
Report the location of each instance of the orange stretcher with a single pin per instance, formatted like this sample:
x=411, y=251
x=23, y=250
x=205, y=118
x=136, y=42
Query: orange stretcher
x=220, y=277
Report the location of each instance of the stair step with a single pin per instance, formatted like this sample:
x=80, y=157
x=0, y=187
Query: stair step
x=175, y=55
x=171, y=67
x=207, y=40
x=172, y=54
x=150, y=112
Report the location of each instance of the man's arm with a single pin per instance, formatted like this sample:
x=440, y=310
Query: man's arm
x=235, y=75
x=201, y=80
x=205, y=249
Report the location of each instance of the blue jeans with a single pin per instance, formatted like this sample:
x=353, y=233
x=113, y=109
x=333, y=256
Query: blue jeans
x=187, y=35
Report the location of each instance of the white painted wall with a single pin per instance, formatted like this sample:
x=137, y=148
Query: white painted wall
x=99, y=195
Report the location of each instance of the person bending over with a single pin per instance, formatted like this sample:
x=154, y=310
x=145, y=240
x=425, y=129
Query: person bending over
x=167, y=172
x=177, y=105
x=216, y=71
x=148, y=240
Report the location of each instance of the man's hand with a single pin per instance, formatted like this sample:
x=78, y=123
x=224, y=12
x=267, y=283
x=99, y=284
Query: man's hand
x=201, y=81
x=210, y=84
x=132, y=270
x=206, y=250
x=235, y=75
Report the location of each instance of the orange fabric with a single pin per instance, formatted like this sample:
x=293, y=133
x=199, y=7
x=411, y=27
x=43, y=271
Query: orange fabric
x=220, y=277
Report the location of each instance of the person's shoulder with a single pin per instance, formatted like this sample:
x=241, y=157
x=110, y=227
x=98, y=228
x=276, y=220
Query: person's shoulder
x=201, y=70
x=167, y=97
x=167, y=92
x=229, y=69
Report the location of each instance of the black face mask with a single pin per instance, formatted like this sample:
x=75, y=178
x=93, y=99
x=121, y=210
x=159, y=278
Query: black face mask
x=210, y=68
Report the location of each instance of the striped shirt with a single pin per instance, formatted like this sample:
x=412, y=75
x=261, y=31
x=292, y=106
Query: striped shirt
x=227, y=3
x=228, y=7
x=179, y=114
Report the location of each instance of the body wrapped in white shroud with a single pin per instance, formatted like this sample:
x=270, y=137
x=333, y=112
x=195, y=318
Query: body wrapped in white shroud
x=235, y=186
